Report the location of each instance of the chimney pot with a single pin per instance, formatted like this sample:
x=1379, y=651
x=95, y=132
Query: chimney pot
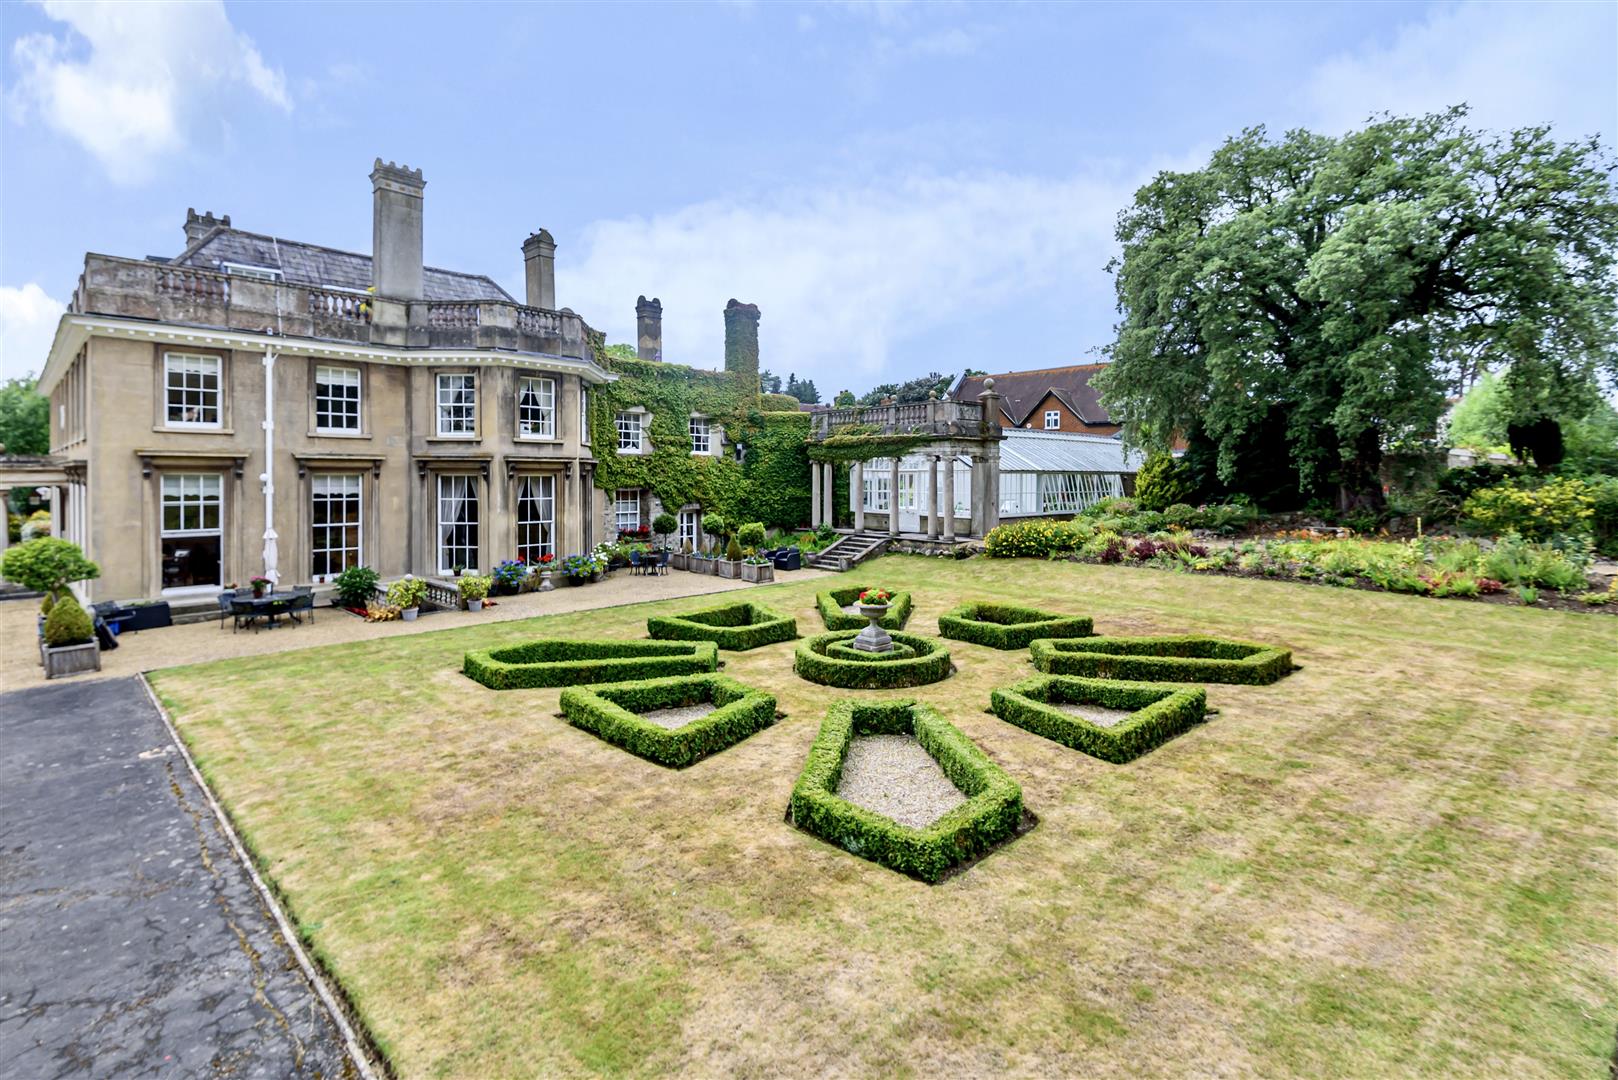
x=649, y=328
x=539, y=269
x=396, y=219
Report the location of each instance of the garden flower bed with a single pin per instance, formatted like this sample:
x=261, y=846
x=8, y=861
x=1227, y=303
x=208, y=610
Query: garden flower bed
x=734, y=626
x=1114, y=721
x=1189, y=658
x=674, y=721
x=833, y=602
x=989, y=814
x=852, y=670
x=1002, y=626
x=566, y=662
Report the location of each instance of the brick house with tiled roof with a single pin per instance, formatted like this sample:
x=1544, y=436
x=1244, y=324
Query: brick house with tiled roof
x=1049, y=399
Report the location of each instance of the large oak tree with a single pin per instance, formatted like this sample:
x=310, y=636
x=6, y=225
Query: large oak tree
x=1317, y=299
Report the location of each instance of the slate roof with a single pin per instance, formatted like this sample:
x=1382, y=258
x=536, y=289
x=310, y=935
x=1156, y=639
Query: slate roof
x=1022, y=391
x=311, y=264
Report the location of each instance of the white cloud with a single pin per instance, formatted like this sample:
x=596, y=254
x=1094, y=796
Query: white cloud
x=130, y=82
x=28, y=318
x=1514, y=64
x=843, y=274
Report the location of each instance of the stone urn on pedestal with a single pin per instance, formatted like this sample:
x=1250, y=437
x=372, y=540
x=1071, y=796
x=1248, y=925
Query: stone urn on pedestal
x=873, y=639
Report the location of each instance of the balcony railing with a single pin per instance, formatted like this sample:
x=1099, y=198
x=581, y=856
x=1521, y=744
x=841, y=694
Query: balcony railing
x=945, y=418
x=184, y=294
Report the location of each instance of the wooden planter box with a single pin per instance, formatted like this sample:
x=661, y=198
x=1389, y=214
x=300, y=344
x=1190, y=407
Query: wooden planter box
x=757, y=572
x=71, y=659
x=728, y=568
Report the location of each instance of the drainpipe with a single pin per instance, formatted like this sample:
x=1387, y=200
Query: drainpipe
x=271, y=552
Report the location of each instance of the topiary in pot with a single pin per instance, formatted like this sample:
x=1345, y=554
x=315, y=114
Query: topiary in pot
x=68, y=624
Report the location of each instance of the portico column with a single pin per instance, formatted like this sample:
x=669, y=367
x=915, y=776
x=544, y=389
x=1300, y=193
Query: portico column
x=932, y=497
x=949, y=497
x=893, y=497
x=815, y=469
x=856, y=493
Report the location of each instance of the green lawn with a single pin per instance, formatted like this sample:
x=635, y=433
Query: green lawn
x=1400, y=859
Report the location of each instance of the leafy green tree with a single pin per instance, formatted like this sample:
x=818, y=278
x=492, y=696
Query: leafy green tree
x=25, y=417
x=1325, y=294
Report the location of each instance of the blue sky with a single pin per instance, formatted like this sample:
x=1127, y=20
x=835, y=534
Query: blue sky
x=900, y=187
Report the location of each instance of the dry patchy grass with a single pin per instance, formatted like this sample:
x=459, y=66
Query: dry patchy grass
x=1398, y=860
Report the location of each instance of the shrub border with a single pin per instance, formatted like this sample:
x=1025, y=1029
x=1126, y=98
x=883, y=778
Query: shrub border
x=767, y=628
x=991, y=813
x=1158, y=713
x=1102, y=658
x=587, y=664
x=930, y=664
x=611, y=712
x=832, y=614
x=966, y=624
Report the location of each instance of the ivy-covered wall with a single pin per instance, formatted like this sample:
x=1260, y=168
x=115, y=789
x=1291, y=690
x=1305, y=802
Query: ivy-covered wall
x=771, y=486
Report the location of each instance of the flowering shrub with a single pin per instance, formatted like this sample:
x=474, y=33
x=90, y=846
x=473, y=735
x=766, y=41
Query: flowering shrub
x=1562, y=505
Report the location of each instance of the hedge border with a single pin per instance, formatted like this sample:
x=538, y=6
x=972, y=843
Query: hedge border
x=1158, y=713
x=990, y=814
x=611, y=712
x=965, y=623
x=566, y=662
x=764, y=627
x=832, y=602
x=930, y=664
x=1154, y=659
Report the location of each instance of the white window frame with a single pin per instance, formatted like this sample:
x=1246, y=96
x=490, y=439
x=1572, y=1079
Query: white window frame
x=536, y=509
x=466, y=541
x=321, y=534
x=537, y=421
x=626, y=509
x=466, y=383
x=627, y=422
x=701, y=435
x=1053, y=419
x=180, y=363
x=690, y=524
x=207, y=490
x=345, y=377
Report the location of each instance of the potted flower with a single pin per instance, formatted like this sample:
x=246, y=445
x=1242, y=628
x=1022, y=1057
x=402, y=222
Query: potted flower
x=758, y=568
x=70, y=640
x=731, y=565
x=260, y=585
x=406, y=594
x=473, y=590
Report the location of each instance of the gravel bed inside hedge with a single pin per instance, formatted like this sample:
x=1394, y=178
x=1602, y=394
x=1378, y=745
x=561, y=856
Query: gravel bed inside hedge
x=893, y=775
x=678, y=716
x=1096, y=714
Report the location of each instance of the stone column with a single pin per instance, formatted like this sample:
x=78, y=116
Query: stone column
x=893, y=497
x=815, y=472
x=932, y=497
x=856, y=493
x=949, y=497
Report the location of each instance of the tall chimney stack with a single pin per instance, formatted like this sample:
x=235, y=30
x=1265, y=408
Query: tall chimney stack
x=741, y=338
x=199, y=225
x=649, y=328
x=396, y=231
x=539, y=268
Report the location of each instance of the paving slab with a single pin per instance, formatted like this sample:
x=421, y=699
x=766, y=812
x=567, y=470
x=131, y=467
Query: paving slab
x=132, y=942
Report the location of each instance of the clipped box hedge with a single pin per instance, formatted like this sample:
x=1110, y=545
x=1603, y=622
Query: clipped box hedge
x=564, y=662
x=814, y=661
x=1002, y=626
x=613, y=713
x=736, y=626
x=1158, y=713
x=990, y=814
x=1188, y=658
x=832, y=614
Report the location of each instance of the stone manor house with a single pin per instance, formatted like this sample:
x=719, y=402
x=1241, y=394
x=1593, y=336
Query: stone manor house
x=254, y=405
